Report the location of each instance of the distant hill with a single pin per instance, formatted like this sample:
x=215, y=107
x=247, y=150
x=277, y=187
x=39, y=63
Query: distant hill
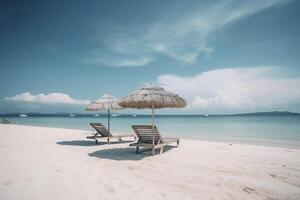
x=57, y=114
x=266, y=113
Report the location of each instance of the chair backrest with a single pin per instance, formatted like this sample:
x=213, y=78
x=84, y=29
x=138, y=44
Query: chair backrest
x=101, y=129
x=145, y=135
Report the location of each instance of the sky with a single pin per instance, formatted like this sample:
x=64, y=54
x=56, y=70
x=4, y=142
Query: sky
x=222, y=56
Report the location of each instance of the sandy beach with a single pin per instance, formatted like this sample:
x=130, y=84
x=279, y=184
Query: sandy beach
x=51, y=163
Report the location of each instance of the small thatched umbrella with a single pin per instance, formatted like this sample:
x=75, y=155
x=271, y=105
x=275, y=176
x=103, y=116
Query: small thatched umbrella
x=152, y=97
x=106, y=102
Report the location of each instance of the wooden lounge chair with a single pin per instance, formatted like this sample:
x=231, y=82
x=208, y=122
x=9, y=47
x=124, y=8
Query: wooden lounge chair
x=103, y=133
x=144, y=133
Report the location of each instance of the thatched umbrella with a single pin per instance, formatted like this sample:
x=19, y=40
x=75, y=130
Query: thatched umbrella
x=106, y=102
x=152, y=97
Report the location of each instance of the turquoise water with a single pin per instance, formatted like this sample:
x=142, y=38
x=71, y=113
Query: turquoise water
x=283, y=131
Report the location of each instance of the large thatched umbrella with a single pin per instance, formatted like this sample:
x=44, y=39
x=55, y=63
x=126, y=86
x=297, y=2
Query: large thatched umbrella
x=106, y=102
x=152, y=97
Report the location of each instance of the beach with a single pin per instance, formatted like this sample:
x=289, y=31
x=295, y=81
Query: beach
x=56, y=163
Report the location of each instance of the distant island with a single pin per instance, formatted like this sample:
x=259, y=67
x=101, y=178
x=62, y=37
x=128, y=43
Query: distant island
x=264, y=113
x=273, y=113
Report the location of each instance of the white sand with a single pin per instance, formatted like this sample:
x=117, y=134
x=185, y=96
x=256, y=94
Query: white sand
x=49, y=163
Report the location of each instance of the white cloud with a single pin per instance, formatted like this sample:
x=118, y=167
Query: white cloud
x=235, y=89
x=117, y=61
x=183, y=37
x=51, y=98
x=136, y=62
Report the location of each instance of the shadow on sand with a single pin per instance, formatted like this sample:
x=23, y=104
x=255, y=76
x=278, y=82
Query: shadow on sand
x=127, y=153
x=89, y=142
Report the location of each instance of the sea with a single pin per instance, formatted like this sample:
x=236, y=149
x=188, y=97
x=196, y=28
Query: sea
x=266, y=130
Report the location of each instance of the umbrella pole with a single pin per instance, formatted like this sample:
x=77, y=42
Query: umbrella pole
x=153, y=138
x=108, y=120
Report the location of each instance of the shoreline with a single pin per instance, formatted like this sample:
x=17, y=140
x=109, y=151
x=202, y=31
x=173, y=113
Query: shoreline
x=198, y=138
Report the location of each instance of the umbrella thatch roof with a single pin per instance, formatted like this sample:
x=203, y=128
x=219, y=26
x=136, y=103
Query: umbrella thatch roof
x=106, y=102
x=152, y=97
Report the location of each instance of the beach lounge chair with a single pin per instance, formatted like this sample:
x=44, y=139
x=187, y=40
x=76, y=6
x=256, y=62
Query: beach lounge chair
x=144, y=133
x=103, y=133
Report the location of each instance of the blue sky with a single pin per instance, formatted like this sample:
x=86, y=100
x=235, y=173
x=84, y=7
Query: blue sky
x=222, y=56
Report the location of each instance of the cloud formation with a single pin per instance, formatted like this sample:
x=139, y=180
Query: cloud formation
x=183, y=37
x=51, y=98
x=235, y=89
x=117, y=60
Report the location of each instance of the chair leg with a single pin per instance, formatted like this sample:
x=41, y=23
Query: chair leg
x=108, y=140
x=153, y=151
x=137, y=150
x=161, y=150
